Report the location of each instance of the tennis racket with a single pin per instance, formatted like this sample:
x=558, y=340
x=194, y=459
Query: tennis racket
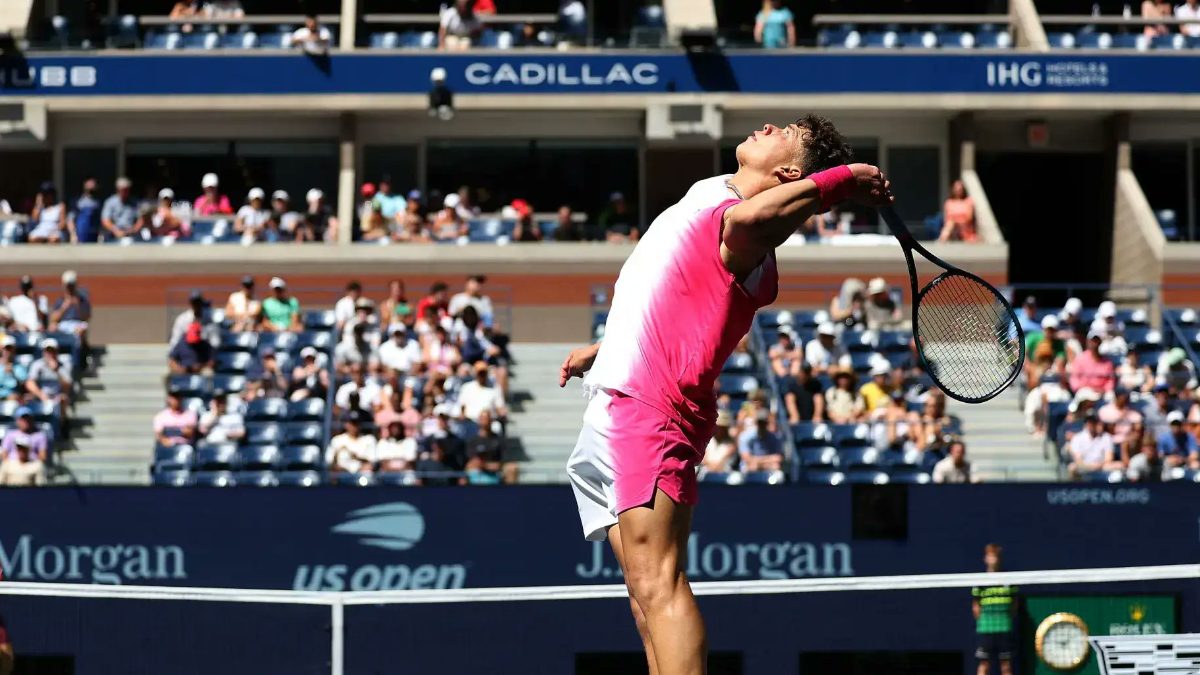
x=967, y=334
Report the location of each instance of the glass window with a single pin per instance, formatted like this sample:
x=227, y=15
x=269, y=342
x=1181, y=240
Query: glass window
x=916, y=173
x=79, y=164
x=1161, y=169
x=398, y=163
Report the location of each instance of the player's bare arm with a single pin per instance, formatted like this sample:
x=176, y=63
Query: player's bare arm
x=578, y=362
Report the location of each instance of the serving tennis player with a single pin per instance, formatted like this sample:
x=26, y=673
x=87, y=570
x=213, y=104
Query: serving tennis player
x=684, y=298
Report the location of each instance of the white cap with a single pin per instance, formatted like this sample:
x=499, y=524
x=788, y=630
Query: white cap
x=308, y=351
x=1087, y=394
x=256, y=193
x=1107, y=309
x=314, y=195
x=209, y=180
x=1072, y=306
x=825, y=328
x=397, y=328
x=69, y=277
x=49, y=343
x=276, y=282
x=280, y=194
x=166, y=193
x=124, y=182
x=451, y=201
x=1049, y=321
x=1174, y=416
x=880, y=369
x=1095, y=333
x=877, y=285
x=1098, y=326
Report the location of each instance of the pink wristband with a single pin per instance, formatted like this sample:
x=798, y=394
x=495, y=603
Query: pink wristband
x=835, y=185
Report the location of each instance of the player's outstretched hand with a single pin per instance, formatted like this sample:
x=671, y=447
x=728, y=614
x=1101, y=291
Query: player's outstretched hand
x=871, y=188
x=578, y=362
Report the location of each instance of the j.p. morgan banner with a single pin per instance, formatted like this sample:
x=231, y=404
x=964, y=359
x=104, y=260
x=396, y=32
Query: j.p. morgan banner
x=613, y=72
x=363, y=539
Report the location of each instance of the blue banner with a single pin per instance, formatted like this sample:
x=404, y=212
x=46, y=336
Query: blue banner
x=364, y=539
x=612, y=72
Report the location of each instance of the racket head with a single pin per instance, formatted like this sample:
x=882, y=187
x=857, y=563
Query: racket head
x=968, y=336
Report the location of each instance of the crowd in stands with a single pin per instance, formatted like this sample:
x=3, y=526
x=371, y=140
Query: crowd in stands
x=405, y=391
x=1111, y=395
x=43, y=348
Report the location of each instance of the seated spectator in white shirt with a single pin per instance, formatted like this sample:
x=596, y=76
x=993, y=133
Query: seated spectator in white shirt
x=397, y=452
x=1091, y=449
x=472, y=295
x=351, y=451
x=27, y=310
x=313, y=38
x=843, y=403
x=760, y=448
x=253, y=218
x=458, y=26
x=49, y=378
x=479, y=396
x=882, y=311
x=49, y=218
x=721, y=451
x=359, y=393
x=22, y=469
x=282, y=214
x=825, y=352
x=221, y=422
x=343, y=309
x=163, y=221
x=1190, y=9
x=400, y=352
x=954, y=467
x=242, y=309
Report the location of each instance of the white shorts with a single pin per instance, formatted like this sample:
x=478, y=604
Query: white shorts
x=590, y=469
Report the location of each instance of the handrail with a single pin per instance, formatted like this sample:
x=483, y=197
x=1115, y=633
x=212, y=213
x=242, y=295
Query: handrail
x=1081, y=19
x=433, y=17
x=253, y=20
x=910, y=19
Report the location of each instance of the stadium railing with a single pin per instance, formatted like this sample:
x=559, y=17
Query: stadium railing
x=921, y=31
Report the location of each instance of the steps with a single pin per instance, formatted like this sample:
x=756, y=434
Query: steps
x=544, y=420
x=998, y=445
x=120, y=406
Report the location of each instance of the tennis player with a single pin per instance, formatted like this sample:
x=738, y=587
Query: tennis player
x=684, y=298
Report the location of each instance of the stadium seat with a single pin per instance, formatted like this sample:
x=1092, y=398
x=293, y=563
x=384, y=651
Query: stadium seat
x=737, y=384
x=230, y=384
x=893, y=341
x=233, y=362
x=278, y=343
x=299, y=458
x=177, y=478
x=303, y=433
x=215, y=456
x=320, y=320
x=213, y=479
x=810, y=434
x=396, y=478
x=320, y=341
x=1138, y=337
x=246, y=40
x=880, y=39
x=908, y=475
x=955, y=39
x=716, y=477
x=258, y=457
x=1093, y=40
x=994, y=39
x=27, y=343
x=861, y=362
x=817, y=455
x=44, y=411
x=1115, y=476
x=823, y=477
x=1130, y=41
x=298, y=478
x=859, y=340
x=264, y=433
x=352, y=479
x=918, y=40
x=866, y=476
x=8, y=410
x=764, y=478
x=1185, y=317
x=900, y=458
x=739, y=363
x=256, y=479
x=238, y=342
x=274, y=40
x=308, y=410
x=856, y=457
x=902, y=360
x=850, y=435
x=266, y=410
x=172, y=457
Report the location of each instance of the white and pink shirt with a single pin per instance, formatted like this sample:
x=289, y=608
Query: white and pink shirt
x=677, y=312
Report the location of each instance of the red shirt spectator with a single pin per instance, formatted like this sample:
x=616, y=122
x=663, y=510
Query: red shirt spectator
x=437, y=299
x=1092, y=370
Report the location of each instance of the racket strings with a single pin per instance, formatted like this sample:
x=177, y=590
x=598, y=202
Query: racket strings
x=968, y=337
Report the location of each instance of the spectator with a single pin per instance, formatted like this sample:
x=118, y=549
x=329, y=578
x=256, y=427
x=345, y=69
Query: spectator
x=472, y=295
x=318, y=222
x=485, y=456
x=174, y=425
x=958, y=215
x=1068, y=317
x=344, y=308
x=485, y=7
x=1122, y=420
x=1156, y=9
x=282, y=214
x=785, y=354
x=882, y=311
x=186, y=9
x=448, y=225
x=364, y=315
x=759, y=447
x=1092, y=370
x=73, y=311
x=932, y=421
x=1146, y=466
x=374, y=227
x=433, y=468
x=876, y=393
x=439, y=352
x=25, y=433
x=1177, y=447
x=119, y=215
x=1133, y=375
x=281, y=311
x=367, y=192
x=722, y=449
x=253, y=219
x=21, y=468
x=266, y=379
x=243, y=311
x=466, y=206
x=1047, y=333
x=355, y=348
x=412, y=224
x=437, y=301
x=224, y=9
x=198, y=312
x=399, y=353
x=1190, y=9
x=351, y=451
x=573, y=22
x=12, y=373
x=192, y=353
x=954, y=467
x=396, y=451
x=211, y=202
x=617, y=220
x=1155, y=414
x=526, y=229
x=803, y=398
x=49, y=378
x=390, y=205
x=459, y=26
x=1091, y=449
x=1176, y=371
x=313, y=38
x=843, y=404
x=893, y=427
x=395, y=307
x=1027, y=317
x=28, y=312
x=309, y=378
x=851, y=317
x=566, y=229
x=49, y=218
x=85, y=219
x=164, y=222
x=824, y=353
x=775, y=27
x=479, y=396
x=359, y=393
x=222, y=423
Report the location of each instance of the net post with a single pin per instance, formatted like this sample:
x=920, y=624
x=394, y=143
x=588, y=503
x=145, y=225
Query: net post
x=336, y=636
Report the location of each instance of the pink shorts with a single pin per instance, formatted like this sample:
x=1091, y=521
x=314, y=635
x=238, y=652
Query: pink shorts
x=625, y=450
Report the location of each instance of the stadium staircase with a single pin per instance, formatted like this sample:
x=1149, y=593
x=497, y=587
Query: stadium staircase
x=119, y=405
x=544, y=420
x=999, y=447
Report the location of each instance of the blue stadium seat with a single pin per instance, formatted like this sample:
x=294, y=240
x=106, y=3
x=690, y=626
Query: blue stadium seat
x=955, y=39
x=302, y=433
x=1129, y=41
x=739, y=363
x=1150, y=357
x=918, y=40
x=1171, y=41
x=213, y=479
x=651, y=16
x=817, y=455
x=859, y=340
x=256, y=479
x=737, y=384
x=880, y=39
x=993, y=39
x=900, y=458
x=215, y=456
x=8, y=410
x=810, y=434
x=27, y=343
x=308, y=410
x=299, y=458
x=230, y=384
x=195, y=404
x=278, y=342
x=233, y=362
x=908, y=475
x=833, y=37
x=44, y=411
x=866, y=476
x=715, y=477
x=320, y=341
x=1184, y=317
x=319, y=320
x=764, y=478
x=258, y=457
x=1093, y=40
x=893, y=341
x=861, y=362
x=1116, y=476
x=238, y=342
x=273, y=40
x=299, y=478
x=177, y=478
x=172, y=457
x=352, y=479
x=857, y=457
x=264, y=433
x=266, y=410
x=844, y=435
x=1140, y=336
x=902, y=360
x=239, y=40
x=822, y=477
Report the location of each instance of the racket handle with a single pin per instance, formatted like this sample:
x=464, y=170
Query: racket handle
x=897, y=226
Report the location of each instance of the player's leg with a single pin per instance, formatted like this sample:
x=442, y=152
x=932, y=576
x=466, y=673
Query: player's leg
x=654, y=539
x=983, y=667
x=984, y=654
x=1005, y=666
x=639, y=617
x=1005, y=654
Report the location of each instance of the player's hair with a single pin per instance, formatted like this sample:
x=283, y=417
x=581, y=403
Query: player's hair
x=992, y=549
x=824, y=145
